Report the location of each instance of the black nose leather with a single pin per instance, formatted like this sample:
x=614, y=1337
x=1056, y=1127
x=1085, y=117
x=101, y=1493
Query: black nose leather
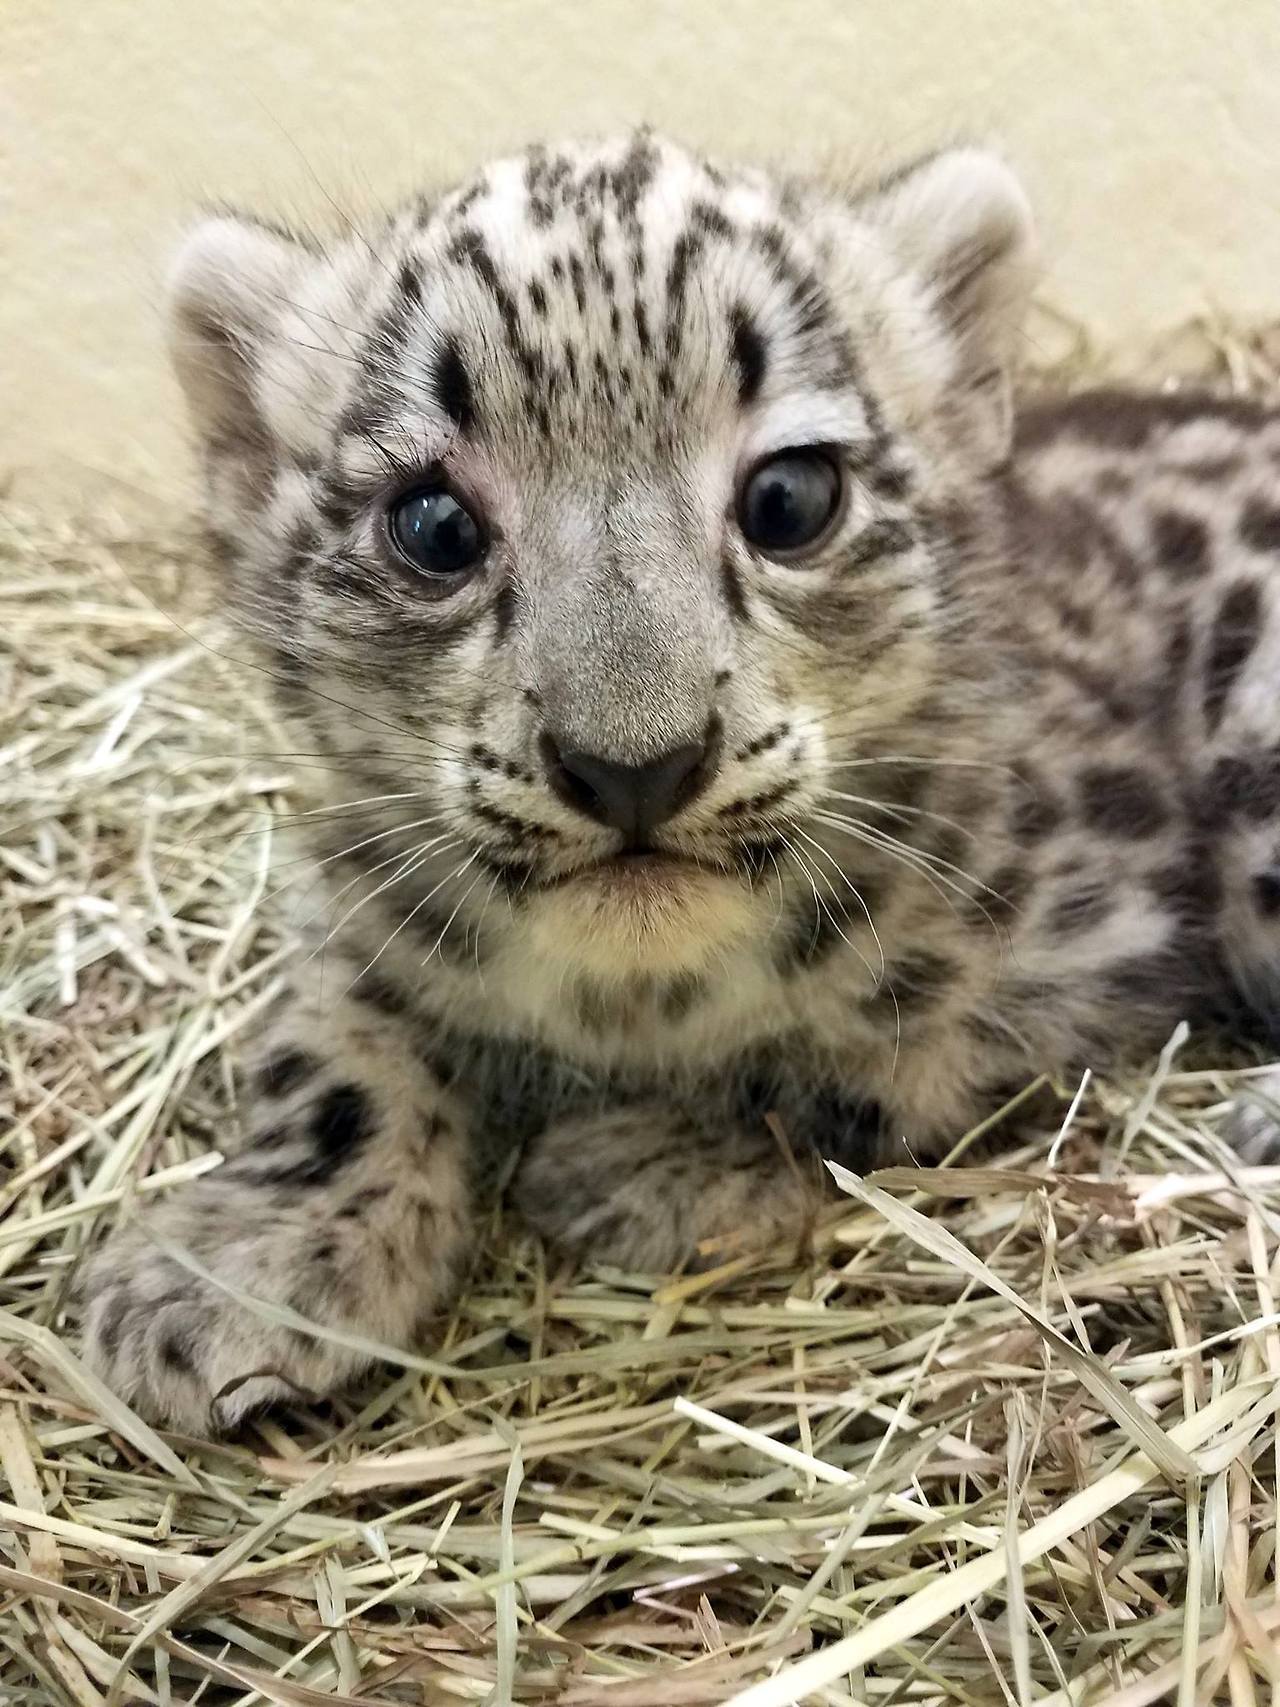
x=632, y=798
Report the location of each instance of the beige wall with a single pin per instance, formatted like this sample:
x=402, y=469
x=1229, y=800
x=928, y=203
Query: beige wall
x=1149, y=131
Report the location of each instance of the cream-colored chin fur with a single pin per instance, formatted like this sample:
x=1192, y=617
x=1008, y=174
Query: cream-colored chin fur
x=614, y=930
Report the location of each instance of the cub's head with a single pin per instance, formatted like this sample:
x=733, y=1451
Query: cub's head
x=605, y=511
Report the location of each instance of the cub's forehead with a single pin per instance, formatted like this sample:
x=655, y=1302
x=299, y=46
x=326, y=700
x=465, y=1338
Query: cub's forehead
x=626, y=284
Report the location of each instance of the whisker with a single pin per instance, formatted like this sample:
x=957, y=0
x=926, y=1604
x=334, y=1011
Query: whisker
x=896, y=850
x=848, y=881
x=899, y=811
x=413, y=861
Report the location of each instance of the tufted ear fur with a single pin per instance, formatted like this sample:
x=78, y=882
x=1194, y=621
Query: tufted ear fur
x=961, y=223
x=228, y=291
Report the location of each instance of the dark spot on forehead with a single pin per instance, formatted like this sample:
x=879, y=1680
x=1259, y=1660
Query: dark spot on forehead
x=708, y=219
x=749, y=354
x=411, y=281
x=453, y=386
x=684, y=252
x=643, y=336
x=579, y=275
x=634, y=175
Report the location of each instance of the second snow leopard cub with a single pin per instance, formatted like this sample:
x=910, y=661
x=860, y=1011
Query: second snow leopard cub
x=725, y=709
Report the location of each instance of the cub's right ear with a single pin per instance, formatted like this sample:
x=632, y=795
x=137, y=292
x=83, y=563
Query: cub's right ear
x=229, y=287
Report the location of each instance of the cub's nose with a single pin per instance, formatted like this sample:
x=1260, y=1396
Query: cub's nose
x=632, y=798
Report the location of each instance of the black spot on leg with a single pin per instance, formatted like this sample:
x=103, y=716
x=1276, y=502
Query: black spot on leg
x=1235, y=634
x=749, y=354
x=453, y=386
x=284, y=1072
x=174, y=1352
x=1265, y=890
x=274, y=1138
x=1120, y=801
x=341, y=1124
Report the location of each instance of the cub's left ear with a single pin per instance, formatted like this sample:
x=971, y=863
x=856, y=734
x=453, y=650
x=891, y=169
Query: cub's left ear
x=961, y=222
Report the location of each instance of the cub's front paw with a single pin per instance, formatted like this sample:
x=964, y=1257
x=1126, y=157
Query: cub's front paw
x=1252, y=1124
x=639, y=1190
x=182, y=1352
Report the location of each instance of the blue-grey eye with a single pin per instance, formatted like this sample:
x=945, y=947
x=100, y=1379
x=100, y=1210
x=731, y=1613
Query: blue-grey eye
x=435, y=533
x=787, y=504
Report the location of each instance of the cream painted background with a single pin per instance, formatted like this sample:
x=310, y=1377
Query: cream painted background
x=1148, y=130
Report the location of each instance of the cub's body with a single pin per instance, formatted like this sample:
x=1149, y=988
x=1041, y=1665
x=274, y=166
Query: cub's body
x=742, y=744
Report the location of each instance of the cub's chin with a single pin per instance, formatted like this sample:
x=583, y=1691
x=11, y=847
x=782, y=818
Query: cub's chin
x=648, y=914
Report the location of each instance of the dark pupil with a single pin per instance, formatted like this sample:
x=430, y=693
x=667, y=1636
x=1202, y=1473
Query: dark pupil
x=435, y=533
x=788, y=502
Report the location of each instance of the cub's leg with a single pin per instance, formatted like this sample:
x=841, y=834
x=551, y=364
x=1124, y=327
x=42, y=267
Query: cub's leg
x=642, y=1188
x=348, y=1203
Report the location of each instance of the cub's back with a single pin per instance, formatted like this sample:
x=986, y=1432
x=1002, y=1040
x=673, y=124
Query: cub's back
x=1145, y=601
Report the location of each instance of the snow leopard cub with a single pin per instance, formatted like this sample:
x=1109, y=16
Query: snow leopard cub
x=744, y=717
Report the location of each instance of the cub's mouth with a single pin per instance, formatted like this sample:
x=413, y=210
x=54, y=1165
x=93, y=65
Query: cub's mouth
x=634, y=871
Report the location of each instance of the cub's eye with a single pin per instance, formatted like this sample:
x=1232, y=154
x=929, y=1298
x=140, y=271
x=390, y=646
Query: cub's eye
x=788, y=504
x=435, y=534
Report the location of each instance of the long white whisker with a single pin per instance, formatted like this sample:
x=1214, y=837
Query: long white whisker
x=900, y=810
x=413, y=861
x=851, y=886
x=409, y=916
x=444, y=929
x=823, y=909
x=886, y=844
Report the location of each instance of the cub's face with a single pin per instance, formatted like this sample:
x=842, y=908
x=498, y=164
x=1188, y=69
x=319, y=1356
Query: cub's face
x=597, y=515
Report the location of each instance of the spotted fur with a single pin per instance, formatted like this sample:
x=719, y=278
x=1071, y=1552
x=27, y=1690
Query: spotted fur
x=991, y=781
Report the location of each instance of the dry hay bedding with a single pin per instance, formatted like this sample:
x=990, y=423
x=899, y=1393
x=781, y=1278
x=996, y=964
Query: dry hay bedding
x=1006, y=1433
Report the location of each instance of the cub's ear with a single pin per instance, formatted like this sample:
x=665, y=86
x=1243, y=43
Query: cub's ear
x=229, y=287
x=961, y=223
